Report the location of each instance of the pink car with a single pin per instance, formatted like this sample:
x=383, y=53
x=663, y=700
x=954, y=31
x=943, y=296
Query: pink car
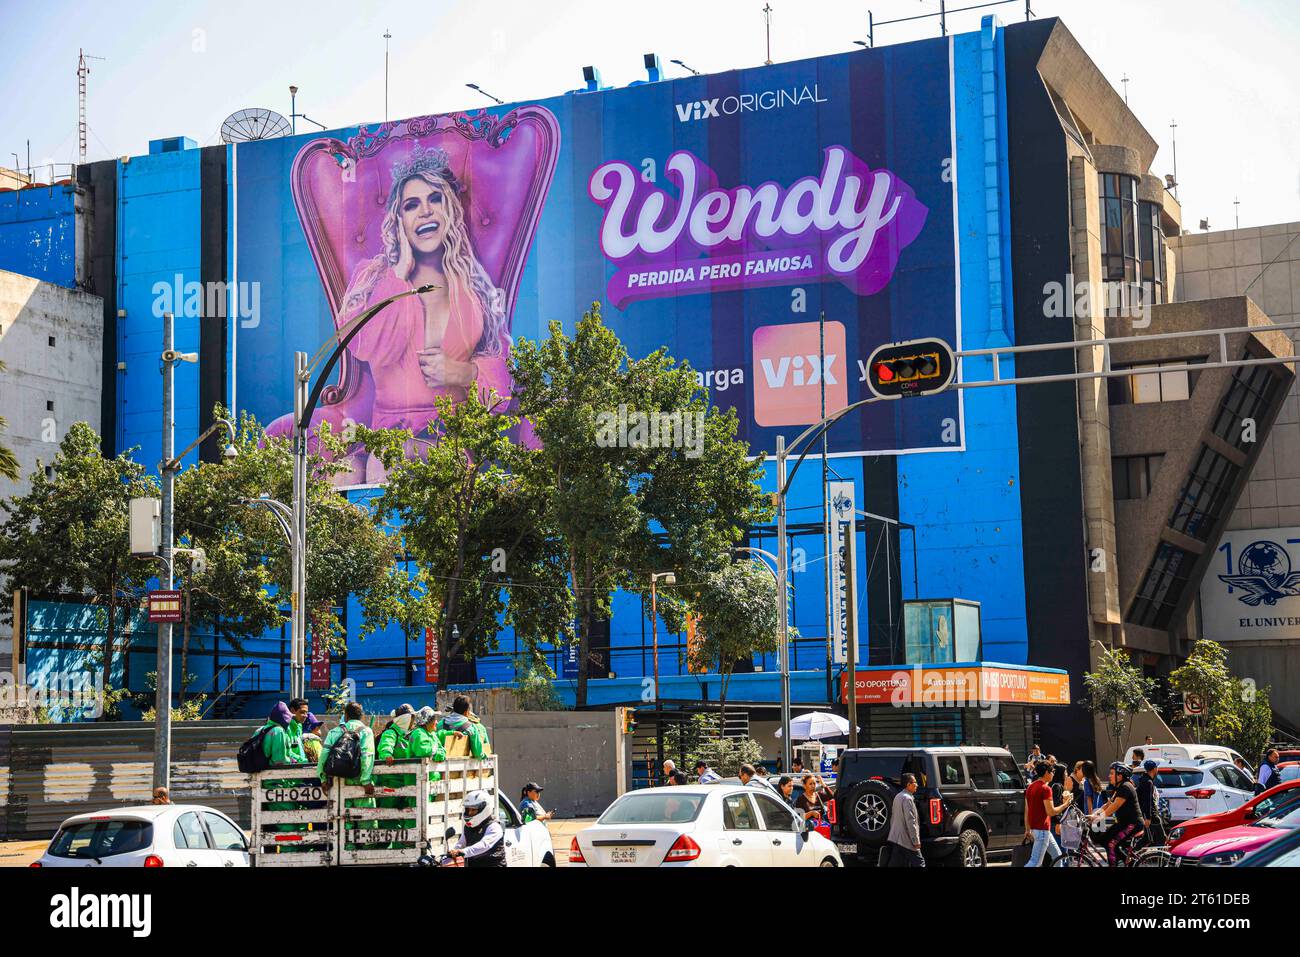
x=1225, y=847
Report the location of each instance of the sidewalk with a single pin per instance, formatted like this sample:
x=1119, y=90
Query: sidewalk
x=562, y=832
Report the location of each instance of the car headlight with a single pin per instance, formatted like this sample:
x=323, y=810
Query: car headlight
x=1176, y=834
x=1223, y=859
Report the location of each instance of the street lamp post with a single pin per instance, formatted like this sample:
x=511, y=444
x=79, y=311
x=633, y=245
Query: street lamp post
x=782, y=649
x=305, y=398
x=167, y=468
x=669, y=579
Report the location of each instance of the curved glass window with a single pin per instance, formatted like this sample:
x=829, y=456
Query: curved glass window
x=1119, y=241
x=1151, y=252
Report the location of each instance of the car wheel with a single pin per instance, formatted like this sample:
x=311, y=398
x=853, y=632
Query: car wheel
x=828, y=862
x=970, y=850
x=548, y=860
x=867, y=807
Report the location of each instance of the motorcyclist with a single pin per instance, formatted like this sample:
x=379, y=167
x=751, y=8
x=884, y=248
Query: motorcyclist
x=482, y=843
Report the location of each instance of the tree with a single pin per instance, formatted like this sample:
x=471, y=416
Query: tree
x=69, y=534
x=625, y=499
x=471, y=510
x=737, y=620
x=8, y=461
x=1116, y=691
x=700, y=738
x=1205, y=673
x=1245, y=721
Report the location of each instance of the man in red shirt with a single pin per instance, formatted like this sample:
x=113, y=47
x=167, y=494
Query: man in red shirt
x=1039, y=811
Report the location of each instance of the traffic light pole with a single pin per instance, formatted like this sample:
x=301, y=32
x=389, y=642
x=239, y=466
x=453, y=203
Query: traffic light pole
x=947, y=377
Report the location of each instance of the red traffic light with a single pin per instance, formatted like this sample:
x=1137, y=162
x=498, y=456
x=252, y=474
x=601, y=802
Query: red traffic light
x=883, y=372
x=902, y=369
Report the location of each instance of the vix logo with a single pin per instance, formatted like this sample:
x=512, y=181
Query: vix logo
x=698, y=110
x=790, y=371
x=1264, y=574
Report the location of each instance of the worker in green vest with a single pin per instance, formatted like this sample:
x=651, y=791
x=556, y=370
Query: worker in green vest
x=300, y=710
x=395, y=745
x=463, y=721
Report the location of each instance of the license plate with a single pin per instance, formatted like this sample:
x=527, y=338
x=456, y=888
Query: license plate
x=622, y=855
x=846, y=848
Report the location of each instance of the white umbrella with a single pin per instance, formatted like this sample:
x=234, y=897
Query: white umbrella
x=816, y=725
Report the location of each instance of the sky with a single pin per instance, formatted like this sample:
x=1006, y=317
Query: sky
x=1227, y=71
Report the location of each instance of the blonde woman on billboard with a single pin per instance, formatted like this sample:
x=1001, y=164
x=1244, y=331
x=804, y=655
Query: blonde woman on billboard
x=440, y=343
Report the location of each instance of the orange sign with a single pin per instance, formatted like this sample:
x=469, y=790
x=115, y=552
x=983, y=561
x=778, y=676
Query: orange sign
x=908, y=687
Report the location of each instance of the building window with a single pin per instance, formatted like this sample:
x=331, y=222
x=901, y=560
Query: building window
x=1132, y=476
x=1119, y=244
x=1203, y=496
x=1151, y=252
x=49, y=405
x=1163, y=586
x=1148, y=384
x=1249, y=397
x=51, y=341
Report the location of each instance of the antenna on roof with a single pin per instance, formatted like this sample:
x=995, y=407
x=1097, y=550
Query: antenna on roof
x=83, y=71
x=256, y=123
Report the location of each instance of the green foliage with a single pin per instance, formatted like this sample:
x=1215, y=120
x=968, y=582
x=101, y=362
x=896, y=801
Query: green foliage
x=623, y=510
x=535, y=685
x=738, y=619
x=69, y=534
x=1116, y=691
x=8, y=461
x=1205, y=673
x=1244, y=721
x=698, y=739
x=472, y=512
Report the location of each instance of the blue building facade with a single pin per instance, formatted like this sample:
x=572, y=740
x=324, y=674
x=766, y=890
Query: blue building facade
x=951, y=474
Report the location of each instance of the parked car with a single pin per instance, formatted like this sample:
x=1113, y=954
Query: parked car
x=1230, y=845
x=151, y=835
x=1257, y=807
x=527, y=845
x=1283, y=852
x=710, y=825
x=970, y=801
x=1194, y=790
x=1186, y=754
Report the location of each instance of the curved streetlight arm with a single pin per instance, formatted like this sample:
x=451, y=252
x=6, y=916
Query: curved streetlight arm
x=279, y=511
x=175, y=464
x=345, y=336
x=813, y=432
x=766, y=554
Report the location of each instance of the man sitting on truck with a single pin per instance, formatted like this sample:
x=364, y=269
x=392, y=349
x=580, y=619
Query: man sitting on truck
x=426, y=742
x=463, y=721
x=395, y=745
x=353, y=722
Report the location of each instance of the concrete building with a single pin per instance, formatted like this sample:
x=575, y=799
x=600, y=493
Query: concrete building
x=51, y=344
x=1262, y=263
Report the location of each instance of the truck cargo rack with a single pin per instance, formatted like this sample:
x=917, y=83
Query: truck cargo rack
x=297, y=821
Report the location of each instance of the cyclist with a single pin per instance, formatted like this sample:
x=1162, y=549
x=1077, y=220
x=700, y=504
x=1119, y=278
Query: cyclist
x=1149, y=802
x=1124, y=807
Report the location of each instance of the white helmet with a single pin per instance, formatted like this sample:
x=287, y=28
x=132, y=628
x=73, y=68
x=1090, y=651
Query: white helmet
x=478, y=808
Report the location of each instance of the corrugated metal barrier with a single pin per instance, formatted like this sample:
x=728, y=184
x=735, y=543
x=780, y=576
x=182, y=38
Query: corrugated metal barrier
x=49, y=772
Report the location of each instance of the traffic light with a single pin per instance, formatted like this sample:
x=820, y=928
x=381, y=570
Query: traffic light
x=629, y=720
x=903, y=369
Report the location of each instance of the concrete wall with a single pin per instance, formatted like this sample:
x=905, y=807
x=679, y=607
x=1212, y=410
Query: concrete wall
x=45, y=387
x=580, y=757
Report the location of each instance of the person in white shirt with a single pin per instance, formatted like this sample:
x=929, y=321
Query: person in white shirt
x=705, y=773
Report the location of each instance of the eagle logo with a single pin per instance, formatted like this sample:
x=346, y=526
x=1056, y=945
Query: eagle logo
x=1264, y=574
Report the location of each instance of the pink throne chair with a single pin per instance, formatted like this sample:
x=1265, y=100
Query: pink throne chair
x=504, y=164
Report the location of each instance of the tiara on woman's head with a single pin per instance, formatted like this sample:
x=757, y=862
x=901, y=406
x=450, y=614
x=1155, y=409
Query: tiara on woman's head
x=423, y=161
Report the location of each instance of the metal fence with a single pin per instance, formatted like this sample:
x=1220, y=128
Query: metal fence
x=50, y=772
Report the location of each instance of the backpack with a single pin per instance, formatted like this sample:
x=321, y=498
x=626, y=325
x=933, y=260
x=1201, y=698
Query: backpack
x=344, y=757
x=252, y=755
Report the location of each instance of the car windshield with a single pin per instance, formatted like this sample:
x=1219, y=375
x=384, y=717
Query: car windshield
x=1171, y=779
x=1286, y=818
x=96, y=839
x=654, y=807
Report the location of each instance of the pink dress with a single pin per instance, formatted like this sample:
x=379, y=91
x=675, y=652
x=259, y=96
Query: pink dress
x=390, y=341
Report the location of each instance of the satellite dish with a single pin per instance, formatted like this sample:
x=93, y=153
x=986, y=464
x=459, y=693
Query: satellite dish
x=253, y=124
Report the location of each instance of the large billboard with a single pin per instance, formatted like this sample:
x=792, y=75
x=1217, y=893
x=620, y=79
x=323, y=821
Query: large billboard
x=721, y=216
x=1252, y=590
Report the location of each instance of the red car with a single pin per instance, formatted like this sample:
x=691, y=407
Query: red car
x=1261, y=805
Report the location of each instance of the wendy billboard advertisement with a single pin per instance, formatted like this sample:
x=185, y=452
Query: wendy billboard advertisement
x=717, y=215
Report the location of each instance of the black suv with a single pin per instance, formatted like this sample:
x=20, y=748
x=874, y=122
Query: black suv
x=970, y=802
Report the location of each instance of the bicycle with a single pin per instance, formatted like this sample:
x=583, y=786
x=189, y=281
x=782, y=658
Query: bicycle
x=1088, y=853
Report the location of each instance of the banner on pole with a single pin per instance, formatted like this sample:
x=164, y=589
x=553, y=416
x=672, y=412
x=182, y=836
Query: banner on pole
x=431, y=661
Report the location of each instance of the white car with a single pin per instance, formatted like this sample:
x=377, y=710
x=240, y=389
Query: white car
x=711, y=825
x=527, y=845
x=1204, y=787
x=150, y=835
x=1185, y=754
